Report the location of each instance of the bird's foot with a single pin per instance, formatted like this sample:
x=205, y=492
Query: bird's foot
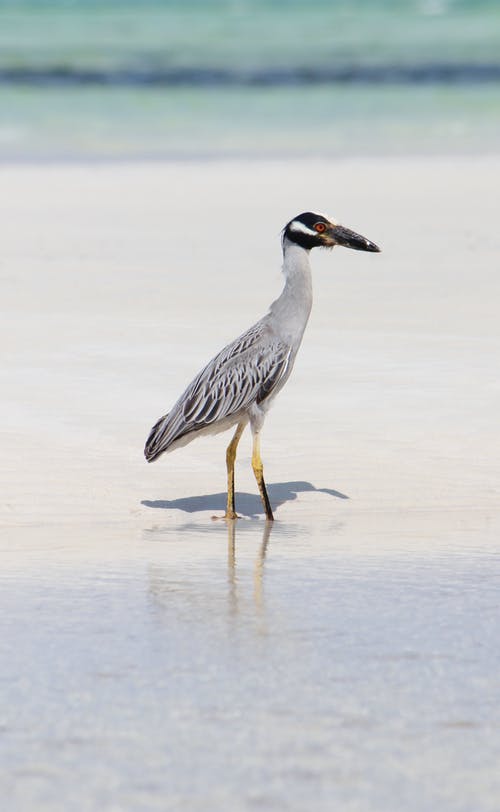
x=228, y=515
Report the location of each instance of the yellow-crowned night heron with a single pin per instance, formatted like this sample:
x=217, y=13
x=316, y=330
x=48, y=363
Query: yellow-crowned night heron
x=239, y=384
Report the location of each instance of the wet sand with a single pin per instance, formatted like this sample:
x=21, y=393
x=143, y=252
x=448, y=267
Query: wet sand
x=348, y=657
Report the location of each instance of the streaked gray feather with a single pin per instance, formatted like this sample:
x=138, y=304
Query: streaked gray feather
x=245, y=372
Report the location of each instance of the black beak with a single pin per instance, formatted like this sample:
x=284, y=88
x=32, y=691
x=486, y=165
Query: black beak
x=349, y=239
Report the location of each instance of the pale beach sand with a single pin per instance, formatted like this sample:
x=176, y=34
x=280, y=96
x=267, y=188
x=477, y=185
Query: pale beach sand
x=139, y=651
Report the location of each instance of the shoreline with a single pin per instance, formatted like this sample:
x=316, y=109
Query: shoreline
x=189, y=123
x=174, y=159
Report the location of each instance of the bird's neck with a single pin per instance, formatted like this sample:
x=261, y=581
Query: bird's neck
x=293, y=307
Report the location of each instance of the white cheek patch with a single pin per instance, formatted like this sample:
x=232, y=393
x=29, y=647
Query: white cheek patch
x=296, y=225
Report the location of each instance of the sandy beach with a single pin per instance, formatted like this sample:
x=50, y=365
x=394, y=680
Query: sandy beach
x=376, y=585
x=120, y=282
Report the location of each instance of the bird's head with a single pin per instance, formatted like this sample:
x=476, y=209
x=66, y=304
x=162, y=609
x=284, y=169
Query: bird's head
x=311, y=230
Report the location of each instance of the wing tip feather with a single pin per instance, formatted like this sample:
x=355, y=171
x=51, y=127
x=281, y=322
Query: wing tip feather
x=153, y=447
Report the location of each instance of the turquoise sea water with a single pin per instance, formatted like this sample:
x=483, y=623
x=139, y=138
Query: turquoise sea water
x=247, y=77
x=247, y=33
x=192, y=122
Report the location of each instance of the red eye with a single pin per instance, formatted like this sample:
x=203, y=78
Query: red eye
x=319, y=227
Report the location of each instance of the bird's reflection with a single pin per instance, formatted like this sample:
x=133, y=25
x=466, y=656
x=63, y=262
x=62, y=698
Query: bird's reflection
x=192, y=582
x=258, y=573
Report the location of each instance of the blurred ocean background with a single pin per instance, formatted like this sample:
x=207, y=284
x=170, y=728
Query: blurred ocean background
x=151, y=78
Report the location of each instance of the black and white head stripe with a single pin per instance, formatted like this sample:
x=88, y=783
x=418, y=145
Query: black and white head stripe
x=301, y=229
x=310, y=230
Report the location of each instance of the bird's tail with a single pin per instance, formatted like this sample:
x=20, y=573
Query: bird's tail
x=154, y=447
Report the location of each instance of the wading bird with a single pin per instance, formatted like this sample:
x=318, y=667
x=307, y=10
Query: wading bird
x=239, y=384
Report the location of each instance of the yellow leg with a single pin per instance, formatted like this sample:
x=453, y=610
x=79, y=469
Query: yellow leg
x=258, y=470
x=230, y=459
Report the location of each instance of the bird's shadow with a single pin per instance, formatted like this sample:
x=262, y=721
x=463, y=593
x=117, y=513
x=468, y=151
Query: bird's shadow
x=247, y=504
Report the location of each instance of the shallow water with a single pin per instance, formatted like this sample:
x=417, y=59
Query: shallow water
x=351, y=664
x=117, y=123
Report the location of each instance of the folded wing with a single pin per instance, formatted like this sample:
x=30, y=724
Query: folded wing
x=247, y=371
